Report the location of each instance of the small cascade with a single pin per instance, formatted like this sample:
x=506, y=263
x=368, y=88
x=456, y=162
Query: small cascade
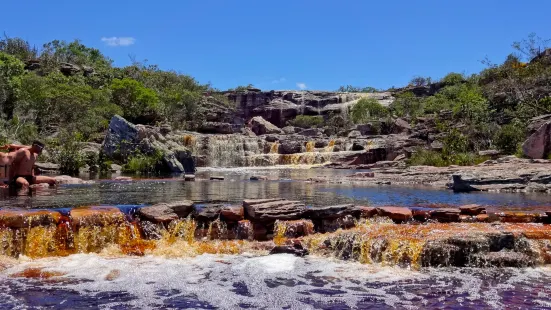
x=310, y=146
x=229, y=150
x=330, y=146
x=274, y=149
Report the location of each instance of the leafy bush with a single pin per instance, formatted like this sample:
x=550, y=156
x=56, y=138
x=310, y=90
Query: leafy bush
x=307, y=121
x=407, y=104
x=452, y=79
x=139, y=103
x=65, y=151
x=367, y=109
x=353, y=89
x=143, y=164
x=510, y=137
x=423, y=157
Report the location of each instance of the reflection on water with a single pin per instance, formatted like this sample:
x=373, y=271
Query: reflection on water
x=283, y=183
x=274, y=282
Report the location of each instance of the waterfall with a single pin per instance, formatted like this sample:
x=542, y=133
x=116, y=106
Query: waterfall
x=229, y=150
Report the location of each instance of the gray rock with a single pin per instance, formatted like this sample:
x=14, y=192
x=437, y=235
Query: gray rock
x=311, y=132
x=216, y=127
x=165, y=212
x=270, y=210
x=160, y=213
x=260, y=126
x=538, y=144
x=332, y=212
x=289, y=130
x=208, y=213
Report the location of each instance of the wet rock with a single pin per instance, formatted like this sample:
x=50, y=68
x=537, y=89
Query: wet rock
x=502, y=259
x=96, y=216
x=232, y=213
x=150, y=230
x=159, y=213
x=296, y=249
x=367, y=212
x=270, y=210
x=295, y=229
x=331, y=212
x=517, y=217
x=472, y=209
x=217, y=178
x=354, y=134
x=311, y=132
x=28, y=218
x=366, y=129
x=258, y=178
x=290, y=147
x=445, y=215
x=260, y=126
x=122, y=179
x=420, y=215
x=245, y=230
x=189, y=177
x=65, y=179
x=207, y=213
x=260, y=232
x=397, y=214
x=330, y=225
x=47, y=168
x=216, y=128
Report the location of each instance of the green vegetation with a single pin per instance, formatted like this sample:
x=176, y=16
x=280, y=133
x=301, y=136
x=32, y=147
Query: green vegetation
x=354, y=89
x=367, y=109
x=307, y=121
x=66, y=87
x=142, y=163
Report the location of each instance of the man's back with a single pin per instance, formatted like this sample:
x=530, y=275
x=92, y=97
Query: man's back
x=24, y=162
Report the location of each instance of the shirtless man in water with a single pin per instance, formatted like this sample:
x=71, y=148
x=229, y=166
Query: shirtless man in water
x=23, y=167
x=6, y=160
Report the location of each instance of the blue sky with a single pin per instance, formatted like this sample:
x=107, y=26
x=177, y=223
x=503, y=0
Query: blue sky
x=289, y=44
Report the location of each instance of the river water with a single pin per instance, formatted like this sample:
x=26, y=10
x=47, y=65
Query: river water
x=282, y=183
x=89, y=281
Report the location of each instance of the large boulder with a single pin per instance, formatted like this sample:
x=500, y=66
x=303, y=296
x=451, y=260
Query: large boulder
x=270, y=210
x=216, y=127
x=538, y=144
x=121, y=138
x=260, y=126
x=166, y=212
x=124, y=138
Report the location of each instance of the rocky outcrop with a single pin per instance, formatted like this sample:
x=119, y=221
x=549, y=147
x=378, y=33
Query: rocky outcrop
x=261, y=126
x=123, y=139
x=270, y=210
x=166, y=212
x=538, y=144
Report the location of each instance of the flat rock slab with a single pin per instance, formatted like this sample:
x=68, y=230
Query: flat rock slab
x=96, y=216
x=472, y=209
x=331, y=212
x=28, y=218
x=266, y=210
x=217, y=178
x=397, y=214
x=208, y=213
x=159, y=213
x=445, y=215
x=232, y=213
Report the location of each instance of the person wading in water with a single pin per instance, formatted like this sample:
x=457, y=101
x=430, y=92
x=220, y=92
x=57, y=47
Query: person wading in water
x=23, y=168
x=6, y=160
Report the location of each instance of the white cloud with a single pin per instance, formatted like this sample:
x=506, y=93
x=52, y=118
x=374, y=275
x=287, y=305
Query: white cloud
x=301, y=86
x=280, y=80
x=118, y=41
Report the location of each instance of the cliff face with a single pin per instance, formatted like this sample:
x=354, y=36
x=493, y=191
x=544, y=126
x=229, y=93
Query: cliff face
x=278, y=107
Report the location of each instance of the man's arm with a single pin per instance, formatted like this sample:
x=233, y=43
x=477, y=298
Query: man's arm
x=13, y=147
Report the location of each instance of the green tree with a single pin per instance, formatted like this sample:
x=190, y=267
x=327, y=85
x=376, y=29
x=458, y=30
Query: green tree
x=407, y=104
x=366, y=109
x=138, y=103
x=11, y=71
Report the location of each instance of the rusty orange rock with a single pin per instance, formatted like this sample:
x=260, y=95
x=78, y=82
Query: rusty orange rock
x=517, y=217
x=28, y=218
x=96, y=216
x=397, y=214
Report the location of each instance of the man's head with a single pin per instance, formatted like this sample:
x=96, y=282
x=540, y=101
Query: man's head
x=37, y=147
